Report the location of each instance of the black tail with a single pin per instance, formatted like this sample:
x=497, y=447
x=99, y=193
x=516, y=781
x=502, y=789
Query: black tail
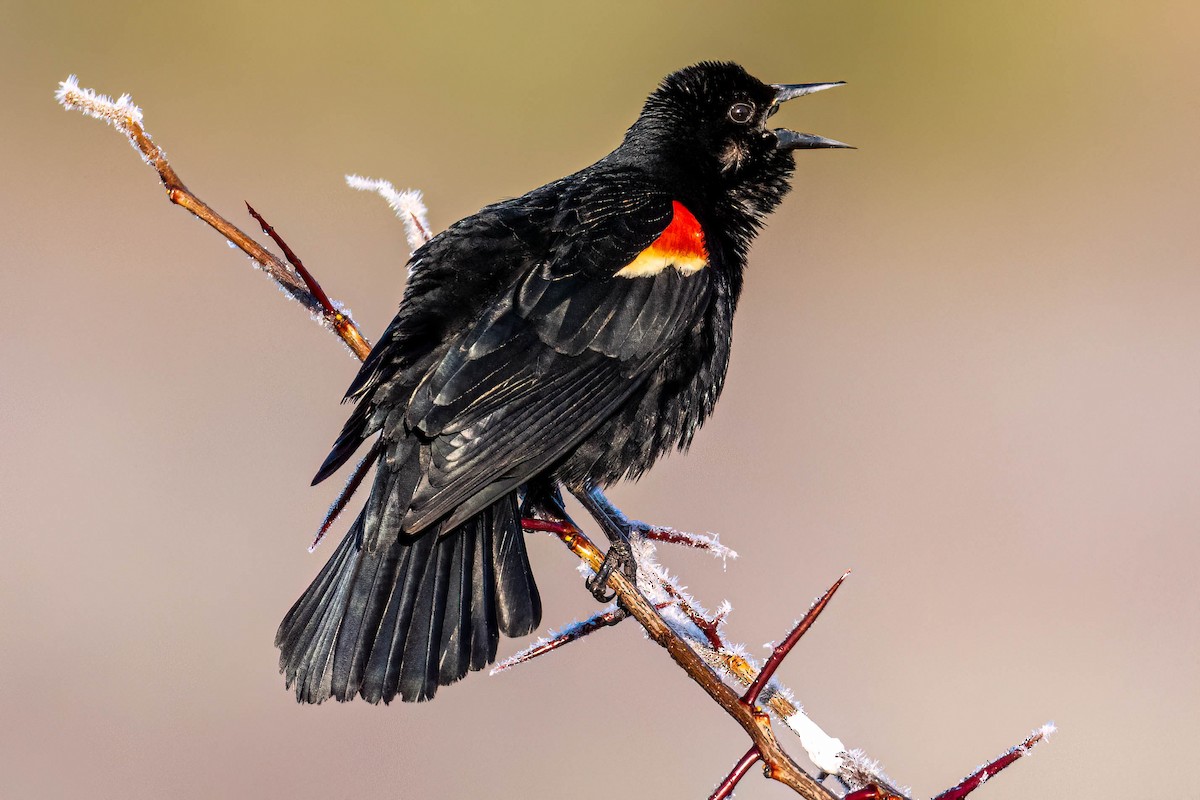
x=411, y=616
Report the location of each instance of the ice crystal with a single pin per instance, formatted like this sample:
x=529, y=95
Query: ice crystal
x=407, y=205
x=824, y=751
x=121, y=113
x=709, y=542
x=859, y=770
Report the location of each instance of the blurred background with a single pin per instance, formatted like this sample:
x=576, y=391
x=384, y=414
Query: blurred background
x=967, y=365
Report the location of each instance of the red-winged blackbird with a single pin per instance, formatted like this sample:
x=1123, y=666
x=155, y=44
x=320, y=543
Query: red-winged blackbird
x=574, y=334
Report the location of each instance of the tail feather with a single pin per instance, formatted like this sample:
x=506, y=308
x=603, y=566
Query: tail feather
x=453, y=645
x=305, y=616
x=354, y=433
x=484, y=638
x=519, y=607
x=363, y=611
x=309, y=627
x=382, y=674
x=419, y=669
x=413, y=614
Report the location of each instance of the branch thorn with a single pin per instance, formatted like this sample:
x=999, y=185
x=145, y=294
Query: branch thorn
x=780, y=652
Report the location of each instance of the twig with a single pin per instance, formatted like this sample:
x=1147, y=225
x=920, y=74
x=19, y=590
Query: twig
x=970, y=783
x=726, y=787
x=981, y=775
x=711, y=628
x=573, y=632
x=126, y=117
x=335, y=318
x=710, y=543
x=407, y=206
x=785, y=647
x=703, y=634
x=779, y=765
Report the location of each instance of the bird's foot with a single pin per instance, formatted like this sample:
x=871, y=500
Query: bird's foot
x=619, y=531
x=619, y=556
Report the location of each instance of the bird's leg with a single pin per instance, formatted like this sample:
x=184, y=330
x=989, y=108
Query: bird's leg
x=544, y=500
x=617, y=528
x=602, y=505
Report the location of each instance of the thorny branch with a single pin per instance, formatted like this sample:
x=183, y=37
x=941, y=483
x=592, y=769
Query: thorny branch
x=123, y=115
x=756, y=723
x=692, y=637
x=725, y=788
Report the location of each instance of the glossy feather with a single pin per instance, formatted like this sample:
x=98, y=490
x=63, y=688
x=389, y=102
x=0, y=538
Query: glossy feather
x=521, y=352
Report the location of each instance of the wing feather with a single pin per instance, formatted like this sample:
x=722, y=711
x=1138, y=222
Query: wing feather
x=512, y=389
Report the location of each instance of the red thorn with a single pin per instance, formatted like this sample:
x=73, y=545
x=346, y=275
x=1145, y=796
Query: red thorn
x=725, y=789
x=656, y=533
x=588, y=626
x=866, y=793
x=871, y=792
x=977, y=778
x=709, y=627
x=416, y=221
x=547, y=526
x=294, y=260
x=780, y=652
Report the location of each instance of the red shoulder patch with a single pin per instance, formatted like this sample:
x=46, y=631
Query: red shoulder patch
x=683, y=236
x=680, y=246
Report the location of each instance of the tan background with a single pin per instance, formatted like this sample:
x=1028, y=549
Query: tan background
x=967, y=365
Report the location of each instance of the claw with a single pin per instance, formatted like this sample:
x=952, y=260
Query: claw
x=618, y=556
x=598, y=586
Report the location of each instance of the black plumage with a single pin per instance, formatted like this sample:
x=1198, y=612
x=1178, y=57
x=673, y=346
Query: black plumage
x=574, y=334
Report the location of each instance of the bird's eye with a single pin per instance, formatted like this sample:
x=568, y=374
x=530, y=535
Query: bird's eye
x=741, y=113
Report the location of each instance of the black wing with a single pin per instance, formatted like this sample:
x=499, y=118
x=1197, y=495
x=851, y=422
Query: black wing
x=548, y=361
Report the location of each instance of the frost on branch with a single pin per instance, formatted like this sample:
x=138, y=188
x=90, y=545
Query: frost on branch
x=291, y=278
x=556, y=639
x=981, y=775
x=708, y=542
x=704, y=632
x=407, y=205
x=859, y=770
x=121, y=113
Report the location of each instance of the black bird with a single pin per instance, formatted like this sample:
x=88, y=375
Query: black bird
x=570, y=336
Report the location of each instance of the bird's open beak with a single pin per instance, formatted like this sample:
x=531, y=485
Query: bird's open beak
x=791, y=140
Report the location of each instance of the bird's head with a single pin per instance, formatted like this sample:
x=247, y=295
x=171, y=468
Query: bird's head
x=706, y=126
